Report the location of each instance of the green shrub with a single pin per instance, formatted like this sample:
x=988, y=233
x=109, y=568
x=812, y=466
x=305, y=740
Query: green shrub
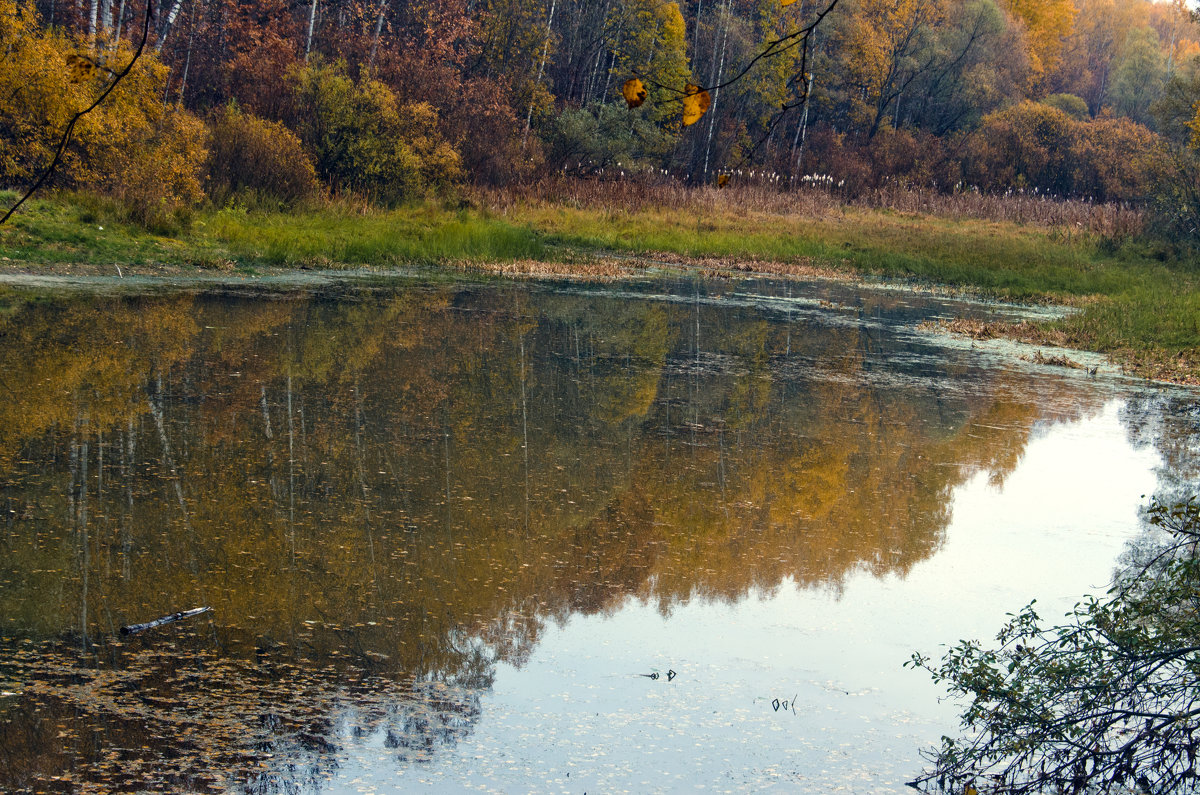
x=1073, y=106
x=256, y=158
x=362, y=139
x=1174, y=217
x=603, y=135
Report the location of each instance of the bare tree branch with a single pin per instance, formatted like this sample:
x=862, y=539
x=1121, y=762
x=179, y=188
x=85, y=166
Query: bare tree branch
x=70, y=128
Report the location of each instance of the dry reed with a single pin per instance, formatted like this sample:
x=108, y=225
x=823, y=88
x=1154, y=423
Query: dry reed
x=1023, y=331
x=634, y=194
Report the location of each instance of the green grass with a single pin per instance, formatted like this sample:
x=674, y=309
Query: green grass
x=1142, y=311
x=73, y=230
x=1005, y=260
x=334, y=237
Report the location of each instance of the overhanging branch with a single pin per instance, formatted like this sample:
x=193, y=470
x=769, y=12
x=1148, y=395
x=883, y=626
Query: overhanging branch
x=70, y=128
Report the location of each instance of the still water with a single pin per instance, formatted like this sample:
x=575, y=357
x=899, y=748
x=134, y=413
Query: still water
x=663, y=535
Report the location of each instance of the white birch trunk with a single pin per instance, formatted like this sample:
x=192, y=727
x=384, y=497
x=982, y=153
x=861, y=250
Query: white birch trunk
x=712, y=119
x=378, y=33
x=541, y=70
x=120, y=19
x=166, y=28
x=312, y=21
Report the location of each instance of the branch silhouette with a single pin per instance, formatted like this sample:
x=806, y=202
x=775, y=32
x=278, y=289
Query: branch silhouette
x=70, y=128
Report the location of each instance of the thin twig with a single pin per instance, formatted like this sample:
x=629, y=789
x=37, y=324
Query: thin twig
x=66, y=136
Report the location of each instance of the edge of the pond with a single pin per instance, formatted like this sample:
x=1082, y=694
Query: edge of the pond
x=597, y=268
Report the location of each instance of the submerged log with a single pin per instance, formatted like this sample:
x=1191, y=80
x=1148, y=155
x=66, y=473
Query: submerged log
x=130, y=629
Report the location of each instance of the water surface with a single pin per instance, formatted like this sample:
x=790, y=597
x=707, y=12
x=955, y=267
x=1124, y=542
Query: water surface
x=651, y=536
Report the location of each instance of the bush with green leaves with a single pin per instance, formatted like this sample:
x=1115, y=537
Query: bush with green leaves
x=362, y=139
x=1108, y=701
x=256, y=159
x=604, y=136
x=1073, y=106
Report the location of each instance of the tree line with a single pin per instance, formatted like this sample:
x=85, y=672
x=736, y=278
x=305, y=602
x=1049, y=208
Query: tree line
x=276, y=100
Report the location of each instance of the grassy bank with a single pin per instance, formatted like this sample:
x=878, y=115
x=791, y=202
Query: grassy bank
x=1141, y=310
x=1144, y=312
x=84, y=231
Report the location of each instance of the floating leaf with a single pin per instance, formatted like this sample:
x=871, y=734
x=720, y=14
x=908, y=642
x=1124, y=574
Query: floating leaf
x=786, y=3
x=634, y=92
x=695, y=102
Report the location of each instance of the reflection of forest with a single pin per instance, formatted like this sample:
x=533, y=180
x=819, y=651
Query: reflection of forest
x=409, y=483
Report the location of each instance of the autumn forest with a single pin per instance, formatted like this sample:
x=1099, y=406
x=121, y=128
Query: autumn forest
x=274, y=101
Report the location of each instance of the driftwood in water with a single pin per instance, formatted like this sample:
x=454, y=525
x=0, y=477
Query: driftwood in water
x=158, y=622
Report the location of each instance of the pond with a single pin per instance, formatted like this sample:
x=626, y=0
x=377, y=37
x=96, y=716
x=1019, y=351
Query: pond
x=657, y=535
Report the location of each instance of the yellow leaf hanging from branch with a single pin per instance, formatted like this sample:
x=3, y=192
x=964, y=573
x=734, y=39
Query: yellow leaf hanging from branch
x=695, y=102
x=634, y=92
x=786, y=3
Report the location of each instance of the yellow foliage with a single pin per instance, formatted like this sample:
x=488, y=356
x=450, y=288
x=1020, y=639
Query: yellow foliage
x=882, y=35
x=440, y=165
x=1048, y=23
x=1194, y=126
x=651, y=41
x=1186, y=51
x=140, y=149
x=362, y=138
x=36, y=96
x=134, y=146
x=695, y=103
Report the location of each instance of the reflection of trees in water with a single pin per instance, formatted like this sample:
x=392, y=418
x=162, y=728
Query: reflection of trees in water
x=412, y=482
x=1170, y=423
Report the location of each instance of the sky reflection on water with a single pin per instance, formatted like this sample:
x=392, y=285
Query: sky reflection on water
x=858, y=717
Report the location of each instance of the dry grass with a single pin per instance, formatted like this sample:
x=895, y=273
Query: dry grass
x=1177, y=367
x=1058, y=360
x=1023, y=331
x=602, y=267
x=804, y=268
x=1116, y=221
x=597, y=270
x=639, y=194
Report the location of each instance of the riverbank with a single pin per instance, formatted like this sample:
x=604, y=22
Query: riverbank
x=1141, y=311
